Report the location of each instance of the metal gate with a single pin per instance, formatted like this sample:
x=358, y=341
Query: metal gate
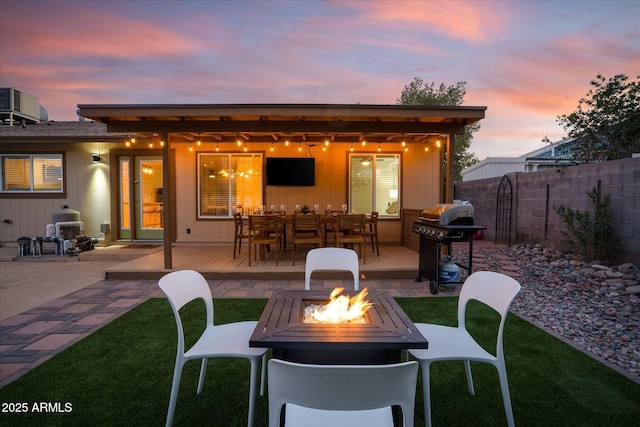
x=504, y=211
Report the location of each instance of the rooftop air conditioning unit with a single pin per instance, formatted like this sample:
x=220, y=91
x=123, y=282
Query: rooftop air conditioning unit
x=16, y=106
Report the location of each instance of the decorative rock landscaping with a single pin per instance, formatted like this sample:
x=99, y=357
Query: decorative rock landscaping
x=593, y=305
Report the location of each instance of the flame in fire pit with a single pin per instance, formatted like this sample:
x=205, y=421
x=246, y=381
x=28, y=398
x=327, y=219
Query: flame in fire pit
x=339, y=309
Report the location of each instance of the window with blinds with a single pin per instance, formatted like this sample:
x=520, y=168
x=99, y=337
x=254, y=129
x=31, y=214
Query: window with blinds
x=32, y=173
x=228, y=183
x=374, y=184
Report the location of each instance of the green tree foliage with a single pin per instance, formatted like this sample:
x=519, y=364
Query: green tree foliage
x=419, y=93
x=606, y=123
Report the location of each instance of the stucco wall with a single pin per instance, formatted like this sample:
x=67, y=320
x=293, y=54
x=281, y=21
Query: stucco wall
x=535, y=195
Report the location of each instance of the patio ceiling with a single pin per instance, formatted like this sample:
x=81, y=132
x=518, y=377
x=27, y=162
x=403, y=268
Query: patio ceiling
x=279, y=122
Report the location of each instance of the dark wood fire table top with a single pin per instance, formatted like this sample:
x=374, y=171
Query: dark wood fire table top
x=384, y=338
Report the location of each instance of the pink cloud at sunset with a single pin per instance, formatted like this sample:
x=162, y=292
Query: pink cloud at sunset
x=527, y=61
x=455, y=20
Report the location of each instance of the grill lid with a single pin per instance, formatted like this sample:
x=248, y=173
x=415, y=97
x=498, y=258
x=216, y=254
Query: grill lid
x=446, y=213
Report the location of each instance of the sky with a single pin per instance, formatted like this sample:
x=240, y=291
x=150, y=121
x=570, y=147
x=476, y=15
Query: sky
x=528, y=62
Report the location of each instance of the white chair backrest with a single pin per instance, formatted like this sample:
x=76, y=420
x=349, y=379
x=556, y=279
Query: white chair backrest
x=493, y=289
x=332, y=259
x=342, y=387
x=182, y=287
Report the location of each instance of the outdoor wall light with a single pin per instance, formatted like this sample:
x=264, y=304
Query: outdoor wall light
x=96, y=158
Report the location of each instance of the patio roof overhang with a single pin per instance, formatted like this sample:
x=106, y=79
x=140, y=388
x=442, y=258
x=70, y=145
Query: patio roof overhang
x=306, y=123
x=277, y=122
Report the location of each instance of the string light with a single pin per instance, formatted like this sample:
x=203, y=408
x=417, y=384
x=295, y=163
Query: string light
x=299, y=146
x=351, y=147
x=217, y=148
x=245, y=147
x=271, y=149
x=438, y=143
x=379, y=148
x=199, y=139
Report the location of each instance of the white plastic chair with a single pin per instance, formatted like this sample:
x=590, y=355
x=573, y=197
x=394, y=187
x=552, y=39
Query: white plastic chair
x=455, y=343
x=227, y=340
x=332, y=259
x=341, y=395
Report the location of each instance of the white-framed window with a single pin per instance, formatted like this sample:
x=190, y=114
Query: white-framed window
x=229, y=182
x=32, y=173
x=374, y=184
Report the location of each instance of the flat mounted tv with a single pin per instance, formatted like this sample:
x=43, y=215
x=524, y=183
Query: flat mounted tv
x=291, y=171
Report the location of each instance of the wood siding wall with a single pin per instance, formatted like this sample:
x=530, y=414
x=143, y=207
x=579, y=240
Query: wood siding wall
x=420, y=179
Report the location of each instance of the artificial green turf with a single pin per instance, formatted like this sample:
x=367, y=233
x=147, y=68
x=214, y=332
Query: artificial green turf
x=121, y=375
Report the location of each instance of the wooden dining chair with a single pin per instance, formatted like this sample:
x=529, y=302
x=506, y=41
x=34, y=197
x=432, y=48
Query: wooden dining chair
x=371, y=230
x=241, y=232
x=330, y=225
x=307, y=230
x=264, y=230
x=350, y=229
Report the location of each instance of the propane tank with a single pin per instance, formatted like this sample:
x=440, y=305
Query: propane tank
x=449, y=270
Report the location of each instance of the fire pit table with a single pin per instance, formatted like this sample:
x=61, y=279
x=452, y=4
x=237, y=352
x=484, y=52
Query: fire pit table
x=383, y=337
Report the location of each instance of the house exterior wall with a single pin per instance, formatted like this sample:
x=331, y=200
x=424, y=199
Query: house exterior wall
x=91, y=189
x=87, y=191
x=535, y=195
x=492, y=167
x=420, y=179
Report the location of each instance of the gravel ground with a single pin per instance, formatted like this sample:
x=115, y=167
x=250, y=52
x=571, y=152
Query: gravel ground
x=594, y=306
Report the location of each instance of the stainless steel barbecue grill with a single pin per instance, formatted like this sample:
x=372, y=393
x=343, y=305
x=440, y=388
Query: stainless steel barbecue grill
x=439, y=225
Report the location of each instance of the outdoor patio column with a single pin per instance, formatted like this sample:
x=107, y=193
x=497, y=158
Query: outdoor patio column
x=168, y=200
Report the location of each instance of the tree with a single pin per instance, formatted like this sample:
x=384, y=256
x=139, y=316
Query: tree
x=606, y=123
x=419, y=93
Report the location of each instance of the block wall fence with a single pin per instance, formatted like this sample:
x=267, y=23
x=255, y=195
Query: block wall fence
x=535, y=194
